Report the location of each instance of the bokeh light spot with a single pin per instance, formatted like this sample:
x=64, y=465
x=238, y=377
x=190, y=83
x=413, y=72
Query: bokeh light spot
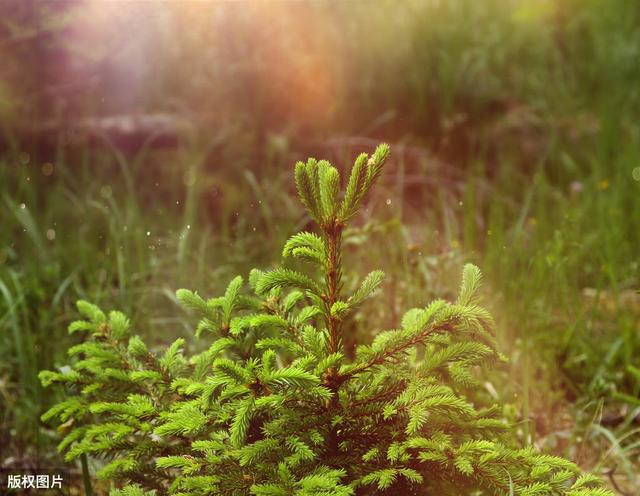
x=47, y=169
x=106, y=191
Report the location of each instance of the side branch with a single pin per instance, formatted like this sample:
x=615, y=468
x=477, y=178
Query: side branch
x=412, y=340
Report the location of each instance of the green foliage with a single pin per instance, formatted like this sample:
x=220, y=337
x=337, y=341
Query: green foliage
x=275, y=407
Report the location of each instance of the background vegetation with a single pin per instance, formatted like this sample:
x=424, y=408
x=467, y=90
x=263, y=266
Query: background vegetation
x=148, y=147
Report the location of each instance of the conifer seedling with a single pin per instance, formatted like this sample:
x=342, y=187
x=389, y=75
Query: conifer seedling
x=274, y=407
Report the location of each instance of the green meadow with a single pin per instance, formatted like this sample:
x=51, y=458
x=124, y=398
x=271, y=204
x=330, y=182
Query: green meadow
x=514, y=129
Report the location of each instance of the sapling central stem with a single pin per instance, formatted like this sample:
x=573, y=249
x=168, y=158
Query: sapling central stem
x=333, y=235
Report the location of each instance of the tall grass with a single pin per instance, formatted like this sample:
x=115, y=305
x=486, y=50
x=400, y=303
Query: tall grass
x=95, y=229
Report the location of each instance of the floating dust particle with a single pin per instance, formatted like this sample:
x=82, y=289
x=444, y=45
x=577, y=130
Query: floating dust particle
x=106, y=191
x=189, y=178
x=47, y=169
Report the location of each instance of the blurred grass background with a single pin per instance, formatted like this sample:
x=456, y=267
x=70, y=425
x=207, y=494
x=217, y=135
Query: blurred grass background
x=149, y=146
